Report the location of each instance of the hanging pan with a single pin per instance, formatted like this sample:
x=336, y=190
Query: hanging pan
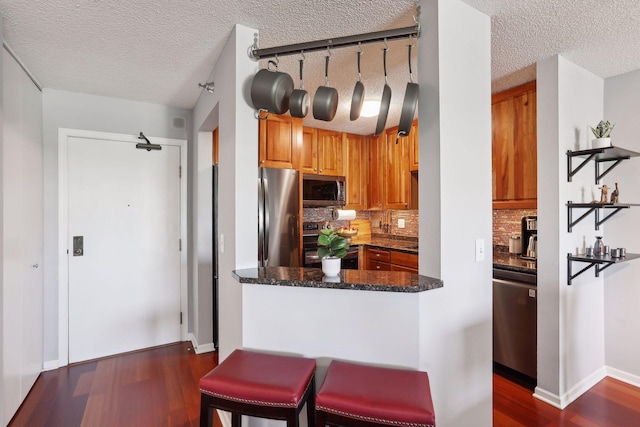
x=299, y=100
x=409, y=103
x=325, y=101
x=386, y=96
x=270, y=91
x=358, y=94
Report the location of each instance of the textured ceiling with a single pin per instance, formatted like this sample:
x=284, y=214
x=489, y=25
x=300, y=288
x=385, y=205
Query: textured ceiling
x=158, y=50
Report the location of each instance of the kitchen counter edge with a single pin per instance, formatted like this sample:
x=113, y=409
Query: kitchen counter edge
x=364, y=280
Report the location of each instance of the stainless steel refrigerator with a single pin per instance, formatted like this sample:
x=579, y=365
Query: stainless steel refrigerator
x=278, y=218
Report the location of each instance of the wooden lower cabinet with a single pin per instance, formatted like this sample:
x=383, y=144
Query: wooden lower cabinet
x=390, y=260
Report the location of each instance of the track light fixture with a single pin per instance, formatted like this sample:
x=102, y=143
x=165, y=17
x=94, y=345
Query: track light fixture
x=209, y=86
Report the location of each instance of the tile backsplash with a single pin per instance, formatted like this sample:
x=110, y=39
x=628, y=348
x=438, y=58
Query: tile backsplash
x=382, y=222
x=507, y=222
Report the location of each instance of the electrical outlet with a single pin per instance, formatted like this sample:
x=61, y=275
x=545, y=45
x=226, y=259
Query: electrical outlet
x=400, y=222
x=479, y=250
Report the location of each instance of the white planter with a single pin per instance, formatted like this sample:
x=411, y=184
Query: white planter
x=331, y=266
x=601, y=143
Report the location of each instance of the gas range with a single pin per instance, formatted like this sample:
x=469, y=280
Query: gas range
x=310, y=232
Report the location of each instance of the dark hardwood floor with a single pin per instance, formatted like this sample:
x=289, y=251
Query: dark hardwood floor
x=155, y=387
x=159, y=387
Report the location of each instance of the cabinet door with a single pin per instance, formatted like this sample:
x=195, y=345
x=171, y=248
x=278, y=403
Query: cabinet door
x=376, y=173
x=413, y=147
x=329, y=152
x=309, y=157
x=355, y=170
x=279, y=142
x=514, y=148
x=398, y=177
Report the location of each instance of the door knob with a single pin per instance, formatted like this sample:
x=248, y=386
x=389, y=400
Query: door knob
x=35, y=266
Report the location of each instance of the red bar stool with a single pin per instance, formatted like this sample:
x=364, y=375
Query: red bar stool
x=354, y=395
x=261, y=385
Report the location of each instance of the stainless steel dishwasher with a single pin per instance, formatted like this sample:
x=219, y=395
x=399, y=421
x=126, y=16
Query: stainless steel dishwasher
x=515, y=321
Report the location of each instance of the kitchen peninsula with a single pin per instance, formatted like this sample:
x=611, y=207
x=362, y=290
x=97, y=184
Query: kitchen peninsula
x=367, y=316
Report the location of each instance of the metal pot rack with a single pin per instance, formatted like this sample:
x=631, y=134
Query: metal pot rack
x=339, y=42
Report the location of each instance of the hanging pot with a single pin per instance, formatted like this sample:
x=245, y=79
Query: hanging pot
x=325, y=101
x=358, y=94
x=270, y=90
x=299, y=100
x=386, y=98
x=409, y=103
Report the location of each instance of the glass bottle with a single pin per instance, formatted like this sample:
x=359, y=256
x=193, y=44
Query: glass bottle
x=598, y=247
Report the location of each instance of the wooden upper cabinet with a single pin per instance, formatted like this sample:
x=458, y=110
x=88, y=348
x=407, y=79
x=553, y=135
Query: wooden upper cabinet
x=377, y=149
x=309, y=157
x=514, y=148
x=355, y=170
x=321, y=152
x=329, y=152
x=398, y=177
x=280, y=140
x=413, y=147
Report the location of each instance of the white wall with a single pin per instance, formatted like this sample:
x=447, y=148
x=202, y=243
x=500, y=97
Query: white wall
x=2, y=154
x=455, y=209
x=570, y=318
x=237, y=175
x=621, y=293
x=63, y=109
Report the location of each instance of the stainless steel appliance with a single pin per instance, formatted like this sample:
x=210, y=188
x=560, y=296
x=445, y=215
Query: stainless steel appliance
x=278, y=218
x=323, y=190
x=515, y=321
x=310, y=232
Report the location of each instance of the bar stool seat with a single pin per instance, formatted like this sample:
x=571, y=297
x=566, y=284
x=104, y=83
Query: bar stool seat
x=259, y=384
x=354, y=395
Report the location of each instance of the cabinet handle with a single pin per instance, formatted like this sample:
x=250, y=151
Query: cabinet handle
x=377, y=267
x=378, y=255
x=320, y=170
x=35, y=265
x=261, y=161
x=315, y=169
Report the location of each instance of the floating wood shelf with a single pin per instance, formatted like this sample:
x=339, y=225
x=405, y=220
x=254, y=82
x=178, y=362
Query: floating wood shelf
x=598, y=155
x=599, y=262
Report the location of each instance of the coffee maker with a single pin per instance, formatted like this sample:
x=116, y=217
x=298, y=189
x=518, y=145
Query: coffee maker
x=530, y=237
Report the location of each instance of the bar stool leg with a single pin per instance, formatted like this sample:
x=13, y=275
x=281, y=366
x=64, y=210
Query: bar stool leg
x=206, y=411
x=311, y=404
x=236, y=419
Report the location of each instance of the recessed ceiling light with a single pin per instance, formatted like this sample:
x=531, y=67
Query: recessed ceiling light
x=370, y=108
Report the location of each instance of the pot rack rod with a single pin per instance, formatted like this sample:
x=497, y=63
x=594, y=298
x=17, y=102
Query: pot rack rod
x=338, y=42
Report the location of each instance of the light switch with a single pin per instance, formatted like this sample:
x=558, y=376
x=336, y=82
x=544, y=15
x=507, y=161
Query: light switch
x=479, y=250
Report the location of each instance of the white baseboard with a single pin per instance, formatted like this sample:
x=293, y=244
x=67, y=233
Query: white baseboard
x=50, y=365
x=201, y=348
x=576, y=391
x=623, y=376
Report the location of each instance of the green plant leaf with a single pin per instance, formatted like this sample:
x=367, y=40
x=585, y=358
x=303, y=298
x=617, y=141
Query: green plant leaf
x=324, y=240
x=323, y=252
x=340, y=253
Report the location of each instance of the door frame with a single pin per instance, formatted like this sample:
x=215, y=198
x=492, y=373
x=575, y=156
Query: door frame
x=63, y=228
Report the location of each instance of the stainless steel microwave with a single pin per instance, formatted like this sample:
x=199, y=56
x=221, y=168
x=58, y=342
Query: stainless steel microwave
x=322, y=190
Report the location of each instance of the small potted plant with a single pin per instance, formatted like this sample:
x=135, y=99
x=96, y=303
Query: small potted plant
x=331, y=249
x=603, y=134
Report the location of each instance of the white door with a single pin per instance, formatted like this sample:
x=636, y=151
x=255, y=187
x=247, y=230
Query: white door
x=124, y=288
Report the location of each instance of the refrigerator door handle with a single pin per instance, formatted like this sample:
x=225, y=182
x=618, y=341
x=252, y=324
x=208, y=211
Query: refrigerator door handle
x=265, y=249
x=260, y=222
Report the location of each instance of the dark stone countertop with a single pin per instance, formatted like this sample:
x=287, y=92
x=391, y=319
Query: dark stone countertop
x=365, y=280
x=506, y=261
